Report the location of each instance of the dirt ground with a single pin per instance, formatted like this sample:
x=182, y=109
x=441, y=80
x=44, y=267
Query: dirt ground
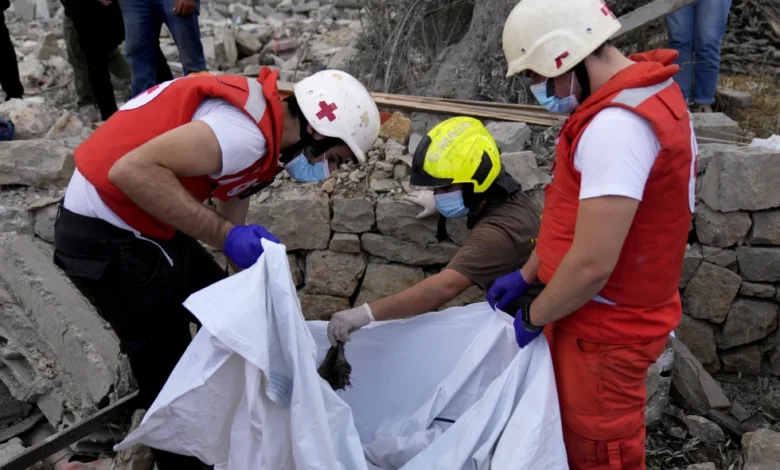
x=763, y=118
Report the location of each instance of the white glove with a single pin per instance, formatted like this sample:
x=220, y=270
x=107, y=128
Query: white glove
x=344, y=323
x=425, y=200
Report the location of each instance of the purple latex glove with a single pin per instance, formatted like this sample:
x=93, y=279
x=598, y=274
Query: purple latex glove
x=506, y=290
x=525, y=334
x=244, y=244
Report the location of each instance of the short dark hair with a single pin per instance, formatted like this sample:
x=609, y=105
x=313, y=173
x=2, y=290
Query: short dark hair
x=601, y=51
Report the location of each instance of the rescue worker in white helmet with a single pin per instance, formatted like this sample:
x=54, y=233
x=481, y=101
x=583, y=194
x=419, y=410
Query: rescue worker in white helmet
x=129, y=227
x=459, y=164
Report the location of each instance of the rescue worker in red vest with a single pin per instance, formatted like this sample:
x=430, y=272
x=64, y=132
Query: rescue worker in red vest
x=614, y=226
x=133, y=215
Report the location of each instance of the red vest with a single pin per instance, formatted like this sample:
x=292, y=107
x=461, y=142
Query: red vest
x=645, y=281
x=168, y=106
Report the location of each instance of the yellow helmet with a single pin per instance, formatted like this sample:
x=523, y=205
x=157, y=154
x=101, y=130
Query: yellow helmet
x=459, y=150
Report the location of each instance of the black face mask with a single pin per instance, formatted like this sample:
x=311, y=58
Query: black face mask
x=308, y=144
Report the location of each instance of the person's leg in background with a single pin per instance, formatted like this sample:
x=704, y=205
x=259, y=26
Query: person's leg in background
x=601, y=389
x=9, y=69
x=711, y=19
x=164, y=73
x=680, y=27
x=140, y=43
x=186, y=33
x=78, y=62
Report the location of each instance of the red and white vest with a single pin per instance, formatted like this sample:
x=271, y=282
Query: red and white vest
x=644, y=283
x=168, y=106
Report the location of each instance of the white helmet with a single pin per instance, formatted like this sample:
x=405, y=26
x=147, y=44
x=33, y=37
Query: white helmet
x=337, y=105
x=551, y=37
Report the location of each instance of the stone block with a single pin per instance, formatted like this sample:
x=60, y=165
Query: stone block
x=692, y=386
x=509, y=136
x=522, y=166
x=766, y=228
x=398, y=128
x=32, y=120
x=247, y=44
x=735, y=98
x=44, y=222
x=399, y=251
x=759, y=264
x=720, y=257
x=352, y=215
x=754, y=289
x=15, y=219
x=745, y=360
x=742, y=178
x=37, y=163
x=321, y=307
x=336, y=274
x=707, y=431
x=761, y=450
x=721, y=229
x=710, y=292
x=715, y=126
x=345, y=243
x=749, y=321
x=691, y=262
x=699, y=337
x=298, y=215
x=457, y=230
x=384, y=279
x=398, y=219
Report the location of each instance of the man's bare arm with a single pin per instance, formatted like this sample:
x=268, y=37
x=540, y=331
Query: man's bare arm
x=148, y=176
x=235, y=211
x=423, y=297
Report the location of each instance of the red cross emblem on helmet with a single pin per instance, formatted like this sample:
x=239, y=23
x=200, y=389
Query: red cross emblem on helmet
x=326, y=111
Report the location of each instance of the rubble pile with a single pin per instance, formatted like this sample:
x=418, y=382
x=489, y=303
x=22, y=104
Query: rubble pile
x=752, y=40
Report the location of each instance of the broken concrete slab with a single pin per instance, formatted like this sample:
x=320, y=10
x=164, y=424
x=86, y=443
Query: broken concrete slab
x=742, y=178
x=298, y=215
x=384, y=279
x=509, y=136
x=715, y=126
x=37, y=163
x=336, y=274
x=710, y=292
x=68, y=125
x=399, y=251
x=398, y=219
x=692, y=386
x=341, y=59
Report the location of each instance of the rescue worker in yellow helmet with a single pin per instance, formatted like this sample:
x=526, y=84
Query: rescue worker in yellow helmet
x=459, y=166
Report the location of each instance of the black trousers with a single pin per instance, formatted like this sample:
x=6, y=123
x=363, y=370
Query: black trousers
x=9, y=69
x=135, y=289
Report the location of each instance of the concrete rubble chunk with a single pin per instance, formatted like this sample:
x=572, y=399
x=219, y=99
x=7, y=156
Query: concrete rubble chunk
x=522, y=167
x=68, y=125
x=247, y=44
x=10, y=450
x=691, y=262
x=321, y=307
x=735, y=98
x=342, y=59
x=720, y=257
x=345, y=243
x=399, y=251
x=36, y=163
x=715, y=126
x=721, y=229
x=766, y=228
x=759, y=264
x=707, y=431
x=509, y=136
x=295, y=270
x=457, y=230
x=761, y=450
x=383, y=279
x=755, y=289
x=32, y=120
x=710, y=292
x=352, y=215
x=742, y=179
x=745, y=360
x=748, y=321
x=394, y=151
x=15, y=219
x=699, y=337
x=337, y=274
x=398, y=128
x=225, y=50
x=44, y=223
x=692, y=386
x=298, y=215
x=398, y=219
x=384, y=185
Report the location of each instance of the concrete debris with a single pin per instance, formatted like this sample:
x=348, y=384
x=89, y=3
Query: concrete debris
x=707, y=431
x=509, y=136
x=658, y=384
x=702, y=466
x=710, y=292
x=414, y=141
x=68, y=125
x=692, y=386
x=761, y=450
x=457, y=230
x=295, y=269
x=15, y=219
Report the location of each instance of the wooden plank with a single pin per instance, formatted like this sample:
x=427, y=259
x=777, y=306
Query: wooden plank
x=68, y=436
x=648, y=13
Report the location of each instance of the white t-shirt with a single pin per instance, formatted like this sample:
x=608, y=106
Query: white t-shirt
x=615, y=155
x=239, y=138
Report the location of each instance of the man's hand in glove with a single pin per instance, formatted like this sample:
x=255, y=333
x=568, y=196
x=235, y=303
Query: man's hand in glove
x=506, y=290
x=425, y=200
x=345, y=322
x=525, y=331
x=244, y=244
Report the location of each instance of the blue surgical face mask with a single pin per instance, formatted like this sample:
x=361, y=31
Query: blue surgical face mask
x=451, y=204
x=301, y=170
x=553, y=103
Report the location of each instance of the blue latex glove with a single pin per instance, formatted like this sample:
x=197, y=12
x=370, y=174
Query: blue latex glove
x=244, y=244
x=506, y=290
x=523, y=335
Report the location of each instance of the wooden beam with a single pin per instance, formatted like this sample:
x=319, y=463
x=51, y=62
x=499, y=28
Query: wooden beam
x=66, y=437
x=649, y=13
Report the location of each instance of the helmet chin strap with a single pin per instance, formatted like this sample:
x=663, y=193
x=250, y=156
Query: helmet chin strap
x=581, y=72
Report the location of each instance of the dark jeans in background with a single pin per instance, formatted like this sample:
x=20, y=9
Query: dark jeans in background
x=9, y=69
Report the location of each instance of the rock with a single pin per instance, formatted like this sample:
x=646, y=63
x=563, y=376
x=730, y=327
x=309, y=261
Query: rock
x=748, y=321
x=398, y=219
x=457, y=230
x=306, y=7
x=719, y=257
x=691, y=262
x=383, y=280
x=295, y=269
x=401, y=172
x=37, y=163
x=342, y=58
x=766, y=228
x=328, y=186
x=469, y=296
x=753, y=289
x=761, y=450
x=247, y=44
x=721, y=229
x=710, y=292
x=702, y=466
x=414, y=141
x=715, y=126
x=657, y=385
x=738, y=411
x=742, y=178
x=394, y=152
x=699, y=337
x=44, y=222
x=706, y=152
x=138, y=457
x=398, y=128
x=510, y=136
x=47, y=47
x=321, y=307
x=734, y=98
x=707, y=431
x=399, y=251
x=353, y=215
x=298, y=215
x=522, y=166
x=692, y=386
x=382, y=185
x=239, y=13
x=10, y=450
x=336, y=274
x=745, y=360
x=11, y=409
x=31, y=119
x=68, y=125
x=225, y=50
x=759, y=264
x=15, y=219
x=345, y=243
